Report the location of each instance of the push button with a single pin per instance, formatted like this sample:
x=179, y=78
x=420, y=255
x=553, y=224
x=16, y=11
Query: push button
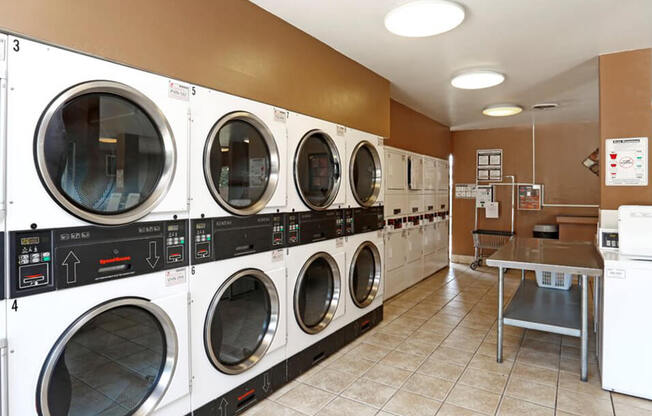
x=23, y=259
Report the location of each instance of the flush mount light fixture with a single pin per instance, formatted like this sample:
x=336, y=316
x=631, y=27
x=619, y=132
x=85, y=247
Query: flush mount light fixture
x=424, y=18
x=477, y=79
x=502, y=110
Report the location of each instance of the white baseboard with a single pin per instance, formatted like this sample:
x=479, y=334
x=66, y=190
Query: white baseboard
x=462, y=259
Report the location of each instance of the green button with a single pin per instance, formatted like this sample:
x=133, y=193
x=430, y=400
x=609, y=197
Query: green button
x=208, y=237
x=46, y=259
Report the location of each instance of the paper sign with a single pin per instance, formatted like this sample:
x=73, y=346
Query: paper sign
x=483, y=194
x=491, y=210
x=465, y=191
x=489, y=165
x=615, y=274
x=529, y=197
x=175, y=277
x=626, y=162
x=178, y=91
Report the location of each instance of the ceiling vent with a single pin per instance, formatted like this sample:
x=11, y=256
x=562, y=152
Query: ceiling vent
x=545, y=106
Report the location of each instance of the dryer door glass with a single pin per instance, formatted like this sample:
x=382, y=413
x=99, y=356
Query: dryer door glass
x=241, y=163
x=317, y=170
x=317, y=293
x=241, y=321
x=111, y=362
x=105, y=157
x=365, y=274
x=365, y=174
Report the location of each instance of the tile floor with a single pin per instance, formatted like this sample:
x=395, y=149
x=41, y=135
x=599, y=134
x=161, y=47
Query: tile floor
x=434, y=354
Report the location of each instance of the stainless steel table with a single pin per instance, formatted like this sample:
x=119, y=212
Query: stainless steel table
x=562, y=312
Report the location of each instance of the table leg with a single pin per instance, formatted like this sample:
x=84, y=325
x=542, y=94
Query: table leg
x=499, y=341
x=596, y=299
x=522, y=274
x=585, y=329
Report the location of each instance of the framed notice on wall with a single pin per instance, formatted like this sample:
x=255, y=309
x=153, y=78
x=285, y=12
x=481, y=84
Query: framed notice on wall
x=626, y=161
x=529, y=197
x=489, y=164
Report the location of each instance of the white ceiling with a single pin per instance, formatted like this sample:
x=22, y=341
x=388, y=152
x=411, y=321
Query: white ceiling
x=546, y=48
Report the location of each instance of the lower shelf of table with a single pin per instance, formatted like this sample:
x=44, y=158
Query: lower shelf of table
x=549, y=310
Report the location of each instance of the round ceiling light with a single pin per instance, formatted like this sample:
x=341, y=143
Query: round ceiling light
x=424, y=18
x=475, y=80
x=502, y=110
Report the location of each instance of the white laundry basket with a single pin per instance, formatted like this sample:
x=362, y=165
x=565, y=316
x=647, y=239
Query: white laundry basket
x=554, y=280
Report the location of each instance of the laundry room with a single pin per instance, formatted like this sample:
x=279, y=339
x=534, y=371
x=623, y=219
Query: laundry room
x=325, y=208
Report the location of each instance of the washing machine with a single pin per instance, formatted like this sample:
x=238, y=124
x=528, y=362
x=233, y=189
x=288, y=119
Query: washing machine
x=92, y=141
x=364, y=273
x=100, y=324
x=316, y=157
x=364, y=153
x=396, y=247
x=238, y=329
x=238, y=156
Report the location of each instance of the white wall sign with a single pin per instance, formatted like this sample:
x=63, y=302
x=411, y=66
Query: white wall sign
x=465, y=191
x=626, y=161
x=484, y=194
x=489, y=165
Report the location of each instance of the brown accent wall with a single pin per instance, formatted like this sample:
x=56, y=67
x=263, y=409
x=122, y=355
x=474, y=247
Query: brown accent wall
x=625, y=111
x=560, y=149
x=415, y=132
x=229, y=45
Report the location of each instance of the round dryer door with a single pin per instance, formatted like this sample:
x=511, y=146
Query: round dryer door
x=241, y=163
x=105, y=152
x=317, y=170
x=365, y=274
x=317, y=293
x=116, y=359
x=365, y=175
x=241, y=322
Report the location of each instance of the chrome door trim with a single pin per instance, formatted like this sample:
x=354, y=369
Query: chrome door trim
x=377, y=273
x=335, y=299
x=165, y=376
x=274, y=162
x=4, y=378
x=377, y=174
x=270, y=332
x=156, y=116
x=338, y=169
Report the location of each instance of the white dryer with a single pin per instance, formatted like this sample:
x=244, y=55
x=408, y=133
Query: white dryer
x=317, y=163
x=364, y=273
x=238, y=332
x=238, y=156
x=87, y=344
x=364, y=153
x=396, y=248
x=91, y=141
x=396, y=200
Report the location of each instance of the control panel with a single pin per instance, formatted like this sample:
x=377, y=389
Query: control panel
x=414, y=220
x=312, y=226
x=348, y=221
x=395, y=223
x=430, y=217
x=53, y=259
x=608, y=239
x=368, y=219
x=202, y=244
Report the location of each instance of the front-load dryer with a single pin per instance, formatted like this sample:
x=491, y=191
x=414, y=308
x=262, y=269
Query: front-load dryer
x=100, y=324
x=238, y=156
x=364, y=273
x=91, y=141
x=238, y=329
x=364, y=153
x=316, y=157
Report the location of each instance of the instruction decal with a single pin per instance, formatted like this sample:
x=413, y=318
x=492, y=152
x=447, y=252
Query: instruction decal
x=489, y=165
x=529, y=197
x=627, y=161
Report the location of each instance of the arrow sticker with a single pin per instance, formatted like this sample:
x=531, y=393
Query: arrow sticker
x=223, y=406
x=152, y=260
x=71, y=259
x=267, y=385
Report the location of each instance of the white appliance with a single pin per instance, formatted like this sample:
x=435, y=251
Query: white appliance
x=317, y=164
x=238, y=155
x=634, y=230
x=415, y=172
x=364, y=153
x=625, y=309
x=364, y=273
x=238, y=327
x=443, y=185
x=3, y=287
x=396, y=202
x=92, y=141
x=316, y=293
x=414, y=263
x=395, y=262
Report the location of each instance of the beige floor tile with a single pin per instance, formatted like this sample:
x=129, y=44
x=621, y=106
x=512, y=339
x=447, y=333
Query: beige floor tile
x=331, y=380
x=369, y=392
x=403, y=360
x=572, y=365
x=448, y=409
x=539, y=359
x=416, y=348
x=385, y=374
x=431, y=387
x=575, y=353
x=543, y=336
x=462, y=342
x=345, y=407
x=536, y=345
x=622, y=399
x=484, y=380
x=516, y=407
x=489, y=348
x=398, y=330
x=626, y=410
x=280, y=392
x=474, y=399
x=537, y=374
x=583, y=404
x=572, y=382
x=426, y=337
x=371, y=352
x=452, y=355
x=525, y=389
x=507, y=339
x=437, y=368
x=409, y=404
x=351, y=364
x=306, y=399
x=489, y=363
x=384, y=340
x=270, y=408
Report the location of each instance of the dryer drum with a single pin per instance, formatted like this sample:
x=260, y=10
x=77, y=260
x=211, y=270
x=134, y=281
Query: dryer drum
x=365, y=174
x=117, y=358
x=317, y=293
x=317, y=170
x=105, y=152
x=365, y=274
x=241, y=322
x=241, y=163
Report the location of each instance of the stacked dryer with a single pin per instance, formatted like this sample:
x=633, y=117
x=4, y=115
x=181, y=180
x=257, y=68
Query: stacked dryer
x=96, y=225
